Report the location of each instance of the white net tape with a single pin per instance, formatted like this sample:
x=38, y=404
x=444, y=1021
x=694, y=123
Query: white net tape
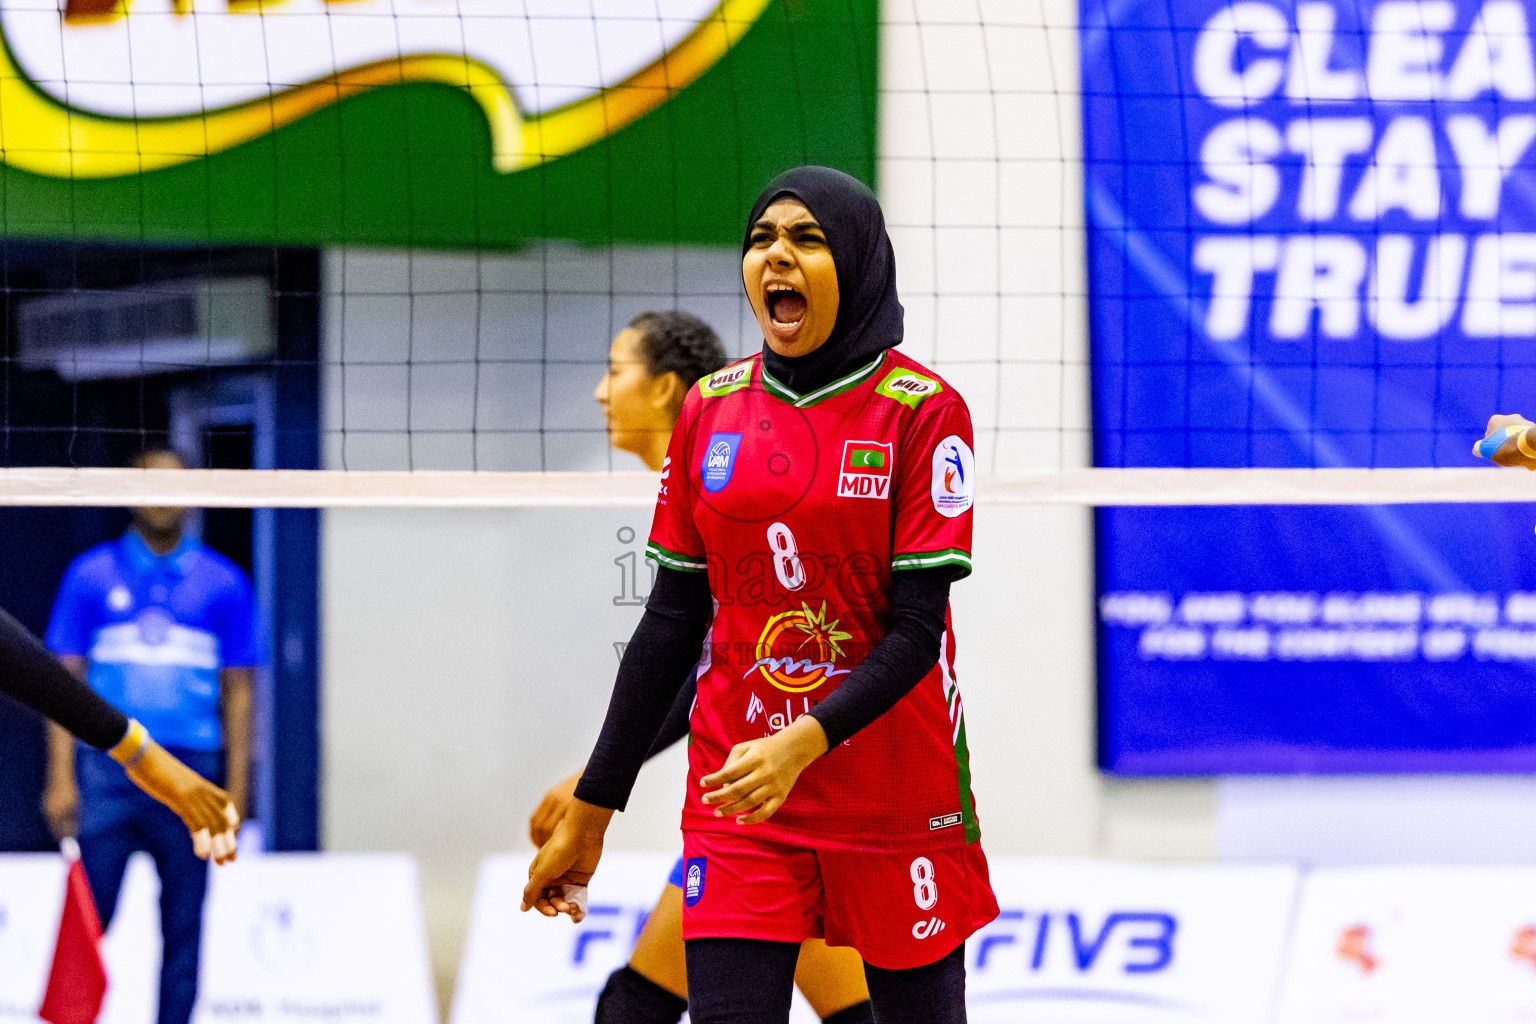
x=427, y=489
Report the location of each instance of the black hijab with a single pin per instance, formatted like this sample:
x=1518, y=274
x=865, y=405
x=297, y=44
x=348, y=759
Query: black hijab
x=869, y=315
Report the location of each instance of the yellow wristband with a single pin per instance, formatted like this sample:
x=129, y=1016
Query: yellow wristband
x=1525, y=448
x=131, y=747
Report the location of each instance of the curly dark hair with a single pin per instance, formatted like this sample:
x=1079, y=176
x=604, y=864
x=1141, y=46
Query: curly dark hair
x=680, y=343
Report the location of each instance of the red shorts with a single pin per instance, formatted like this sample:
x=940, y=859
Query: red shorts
x=898, y=910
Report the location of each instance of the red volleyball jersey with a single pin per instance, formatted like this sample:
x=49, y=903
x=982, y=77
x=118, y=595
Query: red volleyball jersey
x=800, y=507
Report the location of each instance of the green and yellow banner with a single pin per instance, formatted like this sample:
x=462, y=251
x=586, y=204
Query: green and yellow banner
x=440, y=123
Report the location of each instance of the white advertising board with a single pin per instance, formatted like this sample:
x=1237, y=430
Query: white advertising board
x=290, y=937
x=31, y=893
x=1403, y=945
x=1096, y=942
x=527, y=969
x=1078, y=941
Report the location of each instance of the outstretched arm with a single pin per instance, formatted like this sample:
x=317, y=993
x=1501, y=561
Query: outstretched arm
x=557, y=801
x=665, y=645
x=30, y=673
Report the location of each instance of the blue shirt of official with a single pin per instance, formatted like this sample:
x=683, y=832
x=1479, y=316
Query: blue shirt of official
x=157, y=629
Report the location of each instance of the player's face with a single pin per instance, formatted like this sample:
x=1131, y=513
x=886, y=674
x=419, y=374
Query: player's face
x=791, y=280
x=631, y=397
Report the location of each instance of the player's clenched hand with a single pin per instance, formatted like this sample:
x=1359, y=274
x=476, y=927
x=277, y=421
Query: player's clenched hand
x=1510, y=453
x=558, y=876
x=758, y=774
x=551, y=810
x=203, y=807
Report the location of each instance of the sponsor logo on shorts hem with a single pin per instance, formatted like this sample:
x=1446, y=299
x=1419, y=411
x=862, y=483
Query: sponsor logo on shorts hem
x=927, y=929
x=945, y=821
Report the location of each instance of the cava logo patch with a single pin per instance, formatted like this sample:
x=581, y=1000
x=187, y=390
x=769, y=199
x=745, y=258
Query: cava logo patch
x=732, y=378
x=954, y=477
x=99, y=88
x=907, y=387
x=693, y=880
x=944, y=821
x=719, y=461
x=866, y=471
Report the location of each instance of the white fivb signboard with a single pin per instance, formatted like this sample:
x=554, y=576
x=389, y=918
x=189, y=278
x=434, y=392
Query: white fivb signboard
x=31, y=893
x=528, y=969
x=292, y=937
x=1414, y=945
x=1096, y=942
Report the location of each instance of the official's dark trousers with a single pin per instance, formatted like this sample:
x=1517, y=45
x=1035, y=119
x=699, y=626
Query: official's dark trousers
x=118, y=819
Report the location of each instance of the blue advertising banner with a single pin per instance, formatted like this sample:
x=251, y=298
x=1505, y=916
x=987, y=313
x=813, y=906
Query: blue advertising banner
x=1312, y=243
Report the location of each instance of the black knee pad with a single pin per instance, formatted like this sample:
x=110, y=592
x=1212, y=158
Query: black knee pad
x=858, y=1013
x=632, y=998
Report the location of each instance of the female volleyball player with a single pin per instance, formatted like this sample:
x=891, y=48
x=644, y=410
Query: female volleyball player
x=651, y=366
x=1508, y=442
x=820, y=495
x=32, y=675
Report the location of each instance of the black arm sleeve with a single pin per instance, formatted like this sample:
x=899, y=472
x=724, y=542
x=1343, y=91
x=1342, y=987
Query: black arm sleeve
x=30, y=673
x=676, y=725
x=664, y=648
x=909, y=649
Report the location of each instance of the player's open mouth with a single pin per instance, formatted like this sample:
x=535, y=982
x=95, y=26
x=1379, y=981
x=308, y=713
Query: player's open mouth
x=786, y=306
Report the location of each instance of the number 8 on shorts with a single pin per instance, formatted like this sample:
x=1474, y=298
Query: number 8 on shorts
x=925, y=887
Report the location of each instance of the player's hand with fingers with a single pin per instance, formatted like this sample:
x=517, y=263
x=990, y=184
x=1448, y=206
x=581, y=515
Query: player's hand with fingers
x=204, y=808
x=558, y=876
x=758, y=775
x=552, y=810
x=1506, y=441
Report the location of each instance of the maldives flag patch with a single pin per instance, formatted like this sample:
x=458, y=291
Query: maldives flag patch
x=866, y=471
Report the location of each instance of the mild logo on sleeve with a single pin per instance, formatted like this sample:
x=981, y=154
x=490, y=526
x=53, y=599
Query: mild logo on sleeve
x=866, y=472
x=720, y=461
x=693, y=880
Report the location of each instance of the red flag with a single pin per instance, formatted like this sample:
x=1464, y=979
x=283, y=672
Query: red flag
x=78, y=982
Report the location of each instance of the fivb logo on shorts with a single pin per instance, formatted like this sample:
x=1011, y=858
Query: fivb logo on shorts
x=954, y=477
x=693, y=880
x=866, y=471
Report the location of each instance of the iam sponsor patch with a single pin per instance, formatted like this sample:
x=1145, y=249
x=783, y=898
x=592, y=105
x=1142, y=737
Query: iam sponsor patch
x=719, y=461
x=866, y=470
x=954, y=477
x=693, y=880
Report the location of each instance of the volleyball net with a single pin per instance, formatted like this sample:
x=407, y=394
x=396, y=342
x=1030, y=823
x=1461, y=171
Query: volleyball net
x=1148, y=244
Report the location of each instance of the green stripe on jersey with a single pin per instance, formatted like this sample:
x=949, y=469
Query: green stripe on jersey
x=673, y=560
x=963, y=767
x=956, y=557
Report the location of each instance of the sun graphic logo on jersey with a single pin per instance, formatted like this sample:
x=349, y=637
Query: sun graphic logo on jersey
x=954, y=477
x=867, y=467
x=798, y=650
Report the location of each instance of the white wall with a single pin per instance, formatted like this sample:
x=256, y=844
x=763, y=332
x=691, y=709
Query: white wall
x=468, y=654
